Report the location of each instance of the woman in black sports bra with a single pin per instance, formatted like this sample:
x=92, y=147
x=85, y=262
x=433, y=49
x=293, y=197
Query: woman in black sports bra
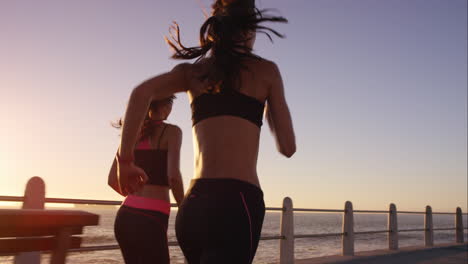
x=142, y=220
x=229, y=88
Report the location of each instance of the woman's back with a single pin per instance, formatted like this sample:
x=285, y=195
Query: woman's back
x=226, y=146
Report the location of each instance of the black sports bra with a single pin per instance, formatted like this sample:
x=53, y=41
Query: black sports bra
x=153, y=161
x=227, y=103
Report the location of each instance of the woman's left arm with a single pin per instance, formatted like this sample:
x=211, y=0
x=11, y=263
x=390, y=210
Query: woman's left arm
x=130, y=177
x=112, y=177
x=173, y=165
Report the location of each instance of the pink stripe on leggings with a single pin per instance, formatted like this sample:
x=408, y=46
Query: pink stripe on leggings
x=250, y=223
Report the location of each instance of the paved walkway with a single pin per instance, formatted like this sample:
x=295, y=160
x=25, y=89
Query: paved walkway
x=443, y=254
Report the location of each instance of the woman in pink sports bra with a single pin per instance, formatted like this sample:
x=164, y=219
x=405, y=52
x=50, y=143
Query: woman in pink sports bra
x=142, y=220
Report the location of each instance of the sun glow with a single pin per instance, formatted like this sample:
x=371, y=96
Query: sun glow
x=55, y=205
x=13, y=205
x=3, y=165
x=10, y=205
x=6, y=172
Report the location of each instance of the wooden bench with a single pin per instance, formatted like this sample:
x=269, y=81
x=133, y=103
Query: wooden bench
x=56, y=231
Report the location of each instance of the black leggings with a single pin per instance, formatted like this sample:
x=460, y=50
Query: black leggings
x=142, y=235
x=220, y=221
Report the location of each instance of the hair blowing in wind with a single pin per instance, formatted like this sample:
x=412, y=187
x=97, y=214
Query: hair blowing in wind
x=224, y=34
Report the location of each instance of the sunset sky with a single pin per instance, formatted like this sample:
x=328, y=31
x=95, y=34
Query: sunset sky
x=377, y=90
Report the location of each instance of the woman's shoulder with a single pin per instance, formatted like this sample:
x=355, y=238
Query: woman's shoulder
x=269, y=65
x=173, y=130
x=206, y=62
x=189, y=70
x=261, y=64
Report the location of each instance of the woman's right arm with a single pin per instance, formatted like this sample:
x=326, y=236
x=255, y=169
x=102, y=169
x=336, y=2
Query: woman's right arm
x=278, y=115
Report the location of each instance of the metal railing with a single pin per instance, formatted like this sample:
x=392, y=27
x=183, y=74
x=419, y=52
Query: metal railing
x=287, y=235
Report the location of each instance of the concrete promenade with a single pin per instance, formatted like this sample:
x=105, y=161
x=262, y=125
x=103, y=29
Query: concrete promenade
x=441, y=254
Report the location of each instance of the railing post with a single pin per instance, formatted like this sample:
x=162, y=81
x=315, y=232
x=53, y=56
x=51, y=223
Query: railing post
x=459, y=226
x=287, y=232
x=348, y=230
x=34, y=198
x=429, y=228
x=392, y=228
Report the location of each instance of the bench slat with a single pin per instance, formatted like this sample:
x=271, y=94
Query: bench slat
x=36, y=232
x=15, y=222
x=10, y=246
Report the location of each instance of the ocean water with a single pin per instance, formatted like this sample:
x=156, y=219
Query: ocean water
x=268, y=251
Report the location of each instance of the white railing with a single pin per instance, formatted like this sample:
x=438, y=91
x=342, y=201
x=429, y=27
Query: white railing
x=348, y=233
x=287, y=235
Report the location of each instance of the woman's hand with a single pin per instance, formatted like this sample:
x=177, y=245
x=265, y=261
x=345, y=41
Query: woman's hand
x=130, y=178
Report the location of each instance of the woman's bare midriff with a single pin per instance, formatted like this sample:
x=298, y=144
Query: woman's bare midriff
x=154, y=192
x=226, y=147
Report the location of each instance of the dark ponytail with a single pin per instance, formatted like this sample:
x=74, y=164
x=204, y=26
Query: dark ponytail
x=224, y=34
